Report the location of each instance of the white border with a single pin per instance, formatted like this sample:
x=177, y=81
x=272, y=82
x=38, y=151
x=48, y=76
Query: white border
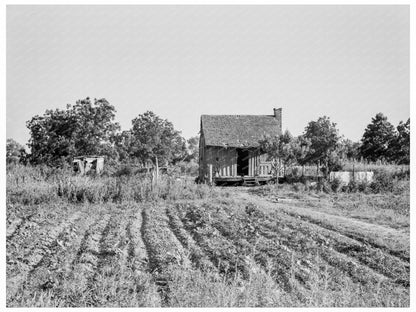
x=200, y=2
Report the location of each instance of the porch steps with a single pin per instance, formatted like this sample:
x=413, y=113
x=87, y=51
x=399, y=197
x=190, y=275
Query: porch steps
x=250, y=181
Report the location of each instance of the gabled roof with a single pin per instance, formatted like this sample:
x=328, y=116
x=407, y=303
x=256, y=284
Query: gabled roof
x=238, y=130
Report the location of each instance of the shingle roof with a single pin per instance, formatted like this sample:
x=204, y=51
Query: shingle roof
x=238, y=130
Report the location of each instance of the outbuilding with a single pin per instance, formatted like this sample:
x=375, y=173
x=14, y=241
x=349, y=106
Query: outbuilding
x=85, y=164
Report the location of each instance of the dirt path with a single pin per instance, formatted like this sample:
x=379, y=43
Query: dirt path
x=394, y=241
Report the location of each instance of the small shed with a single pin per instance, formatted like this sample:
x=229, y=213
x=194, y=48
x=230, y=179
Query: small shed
x=229, y=147
x=85, y=164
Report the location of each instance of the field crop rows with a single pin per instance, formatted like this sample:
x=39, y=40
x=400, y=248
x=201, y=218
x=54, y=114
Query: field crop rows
x=226, y=252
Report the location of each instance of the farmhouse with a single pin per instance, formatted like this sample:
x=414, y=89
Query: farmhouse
x=229, y=147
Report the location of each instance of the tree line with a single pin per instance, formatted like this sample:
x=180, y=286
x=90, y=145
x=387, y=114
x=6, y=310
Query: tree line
x=89, y=128
x=322, y=145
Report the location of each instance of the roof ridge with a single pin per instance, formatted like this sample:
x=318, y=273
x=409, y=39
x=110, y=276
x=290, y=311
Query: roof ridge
x=235, y=115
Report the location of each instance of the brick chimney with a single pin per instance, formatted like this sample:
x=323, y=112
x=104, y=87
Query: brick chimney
x=277, y=112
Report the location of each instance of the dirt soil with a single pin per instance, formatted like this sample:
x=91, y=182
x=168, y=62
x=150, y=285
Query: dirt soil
x=130, y=254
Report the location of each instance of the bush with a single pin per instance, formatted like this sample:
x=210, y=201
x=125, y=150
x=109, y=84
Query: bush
x=124, y=170
x=352, y=187
x=323, y=186
x=336, y=185
x=293, y=178
x=363, y=187
x=383, y=182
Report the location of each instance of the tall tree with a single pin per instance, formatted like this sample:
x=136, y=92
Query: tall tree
x=85, y=128
x=95, y=124
x=155, y=139
x=324, y=139
x=378, y=139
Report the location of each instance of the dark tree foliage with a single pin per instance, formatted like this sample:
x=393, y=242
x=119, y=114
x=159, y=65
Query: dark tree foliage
x=324, y=138
x=153, y=138
x=402, y=143
x=378, y=140
x=15, y=152
x=83, y=129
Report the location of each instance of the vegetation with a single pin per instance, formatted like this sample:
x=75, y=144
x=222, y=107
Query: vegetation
x=15, y=152
x=121, y=241
x=87, y=128
x=324, y=138
x=381, y=141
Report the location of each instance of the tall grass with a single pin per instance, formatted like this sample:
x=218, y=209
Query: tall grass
x=35, y=185
x=375, y=167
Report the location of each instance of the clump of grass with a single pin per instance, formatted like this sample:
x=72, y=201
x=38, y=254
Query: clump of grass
x=36, y=185
x=194, y=288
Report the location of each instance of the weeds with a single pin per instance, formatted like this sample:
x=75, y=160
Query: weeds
x=120, y=240
x=36, y=185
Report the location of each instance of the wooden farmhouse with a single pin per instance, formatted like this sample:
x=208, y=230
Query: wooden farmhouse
x=229, y=147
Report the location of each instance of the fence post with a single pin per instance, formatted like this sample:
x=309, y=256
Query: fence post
x=353, y=172
x=210, y=174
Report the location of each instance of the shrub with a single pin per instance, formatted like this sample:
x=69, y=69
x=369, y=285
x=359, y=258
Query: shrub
x=383, y=182
x=352, y=187
x=124, y=170
x=323, y=186
x=293, y=178
x=363, y=187
x=336, y=185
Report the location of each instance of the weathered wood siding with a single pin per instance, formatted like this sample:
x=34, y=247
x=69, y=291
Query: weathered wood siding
x=224, y=161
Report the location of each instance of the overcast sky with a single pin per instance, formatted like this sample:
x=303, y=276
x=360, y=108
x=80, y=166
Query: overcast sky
x=346, y=62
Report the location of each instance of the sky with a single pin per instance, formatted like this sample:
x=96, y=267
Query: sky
x=346, y=62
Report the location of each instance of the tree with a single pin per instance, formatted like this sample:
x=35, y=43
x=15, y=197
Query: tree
x=192, y=148
x=52, y=136
x=378, y=139
x=155, y=139
x=82, y=129
x=95, y=124
x=349, y=149
x=281, y=149
x=123, y=143
x=324, y=138
x=402, y=143
x=15, y=152
x=302, y=147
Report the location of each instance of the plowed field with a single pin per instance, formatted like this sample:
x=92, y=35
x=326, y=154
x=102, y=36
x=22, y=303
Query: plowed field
x=240, y=250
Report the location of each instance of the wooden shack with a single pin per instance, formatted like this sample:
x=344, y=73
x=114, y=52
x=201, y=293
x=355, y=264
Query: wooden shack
x=229, y=147
x=85, y=164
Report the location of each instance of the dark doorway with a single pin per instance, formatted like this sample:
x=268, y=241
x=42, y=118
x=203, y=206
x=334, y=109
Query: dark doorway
x=242, y=162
